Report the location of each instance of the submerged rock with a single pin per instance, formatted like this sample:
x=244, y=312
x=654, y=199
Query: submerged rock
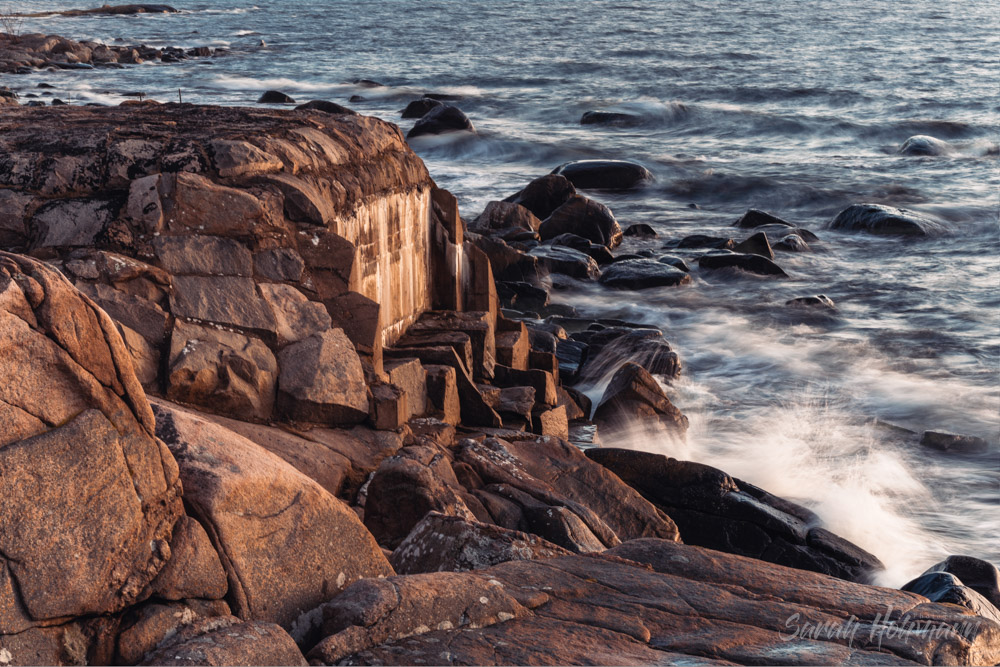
x=615, y=118
x=641, y=230
x=326, y=107
x=441, y=119
x=756, y=244
x=275, y=97
x=636, y=274
x=949, y=442
x=820, y=301
x=757, y=218
x=604, y=174
x=924, y=145
x=419, y=108
x=885, y=220
x=723, y=259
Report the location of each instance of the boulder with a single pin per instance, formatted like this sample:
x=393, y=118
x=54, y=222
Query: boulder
x=704, y=241
x=144, y=627
x=419, y=108
x=407, y=486
x=222, y=371
x=544, y=195
x=442, y=543
x=566, y=261
x=641, y=230
x=757, y=218
x=326, y=107
x=946, y=587
x=885, y=220
x=440, y=120
x=949, y=442
x=673, y=260
x=505, y=215
x=604, y=174
x=88, y=495
x=792, y=243
x=295, y=316
x=632, y=396
x=225, y=300
x=756, y=244
x=636, y=274
x=923, y=145
x=979, y=575
x=203, y=255
x=285, y=543
x=724, y=259
x=194, y=569
x=228, y=641
x=615, y=118
x=583, y=217
x=321, y=380
x=275, y=97
x=714, y=510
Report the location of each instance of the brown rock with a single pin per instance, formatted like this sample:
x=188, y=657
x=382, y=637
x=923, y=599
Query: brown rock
x=70, y=222
x=442, y=393
x=203, y=255
x=410, y=376
x=322, y=380
x=583, y=217
x=279, y=265
x=633, y=395
x=544, y=195
x=145, y=627
x=143, y=316
x=254, y=506
x=225, y=300
x=86, y=508
x=194, y=569
x=389, y=407
x=476, y=325
x=513, y=348
x=441, y=543
x=228, y=641
x=222, y=371
x=405, y=488
x=236, y=159
x=503, y=215
x=295, y=316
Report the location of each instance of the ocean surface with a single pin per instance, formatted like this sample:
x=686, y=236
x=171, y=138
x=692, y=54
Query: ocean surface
x=797, y=107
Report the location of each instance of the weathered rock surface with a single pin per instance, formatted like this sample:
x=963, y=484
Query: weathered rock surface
x=88, y=495
x=228, y=641
x=441, y=543
x=714, y=510
x=946, y=587
x=885, y=220
x=604, y=174
x=647, y=602
x=23, y=53
x=633, y=397
x=275, y=225
x=637, y=274
x=286, y=544
x=322, y=380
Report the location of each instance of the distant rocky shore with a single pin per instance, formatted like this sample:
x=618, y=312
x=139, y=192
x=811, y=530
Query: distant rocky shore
x=267, y=398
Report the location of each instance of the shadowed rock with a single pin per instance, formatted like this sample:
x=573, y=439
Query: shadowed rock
x=885, y=220
x=924, y=145
x=440, y=120
x=637, y=274
x=604, y=174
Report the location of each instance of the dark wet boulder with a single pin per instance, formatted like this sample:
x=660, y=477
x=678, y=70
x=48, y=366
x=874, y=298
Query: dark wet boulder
x=641, y=230
x=923, y=145
x=792, y=243
x=714, y=510
x=567, y=261
x=439, y=120
x=419, y=108
x=583, y=217
x=757, y=218
x=605, y=174
x=275, y=97
x=599, y=252
x=615, y=118
x=326, y=107
x=544, y=195
x=702, y=241
x=814, y=301
x=780, y=231
x=949, y=442
x=638, y=274
x=885, y=220
x=673, y=260
x=979, y=575
x=633, y=396
x=946, y=587
x=721, y=259
x=755, y=245
x=645, y=347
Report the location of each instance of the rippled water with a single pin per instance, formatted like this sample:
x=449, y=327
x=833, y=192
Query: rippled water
x=797, y=107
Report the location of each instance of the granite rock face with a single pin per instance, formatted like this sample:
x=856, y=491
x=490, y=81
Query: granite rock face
x=88, y=495
x=225, y=237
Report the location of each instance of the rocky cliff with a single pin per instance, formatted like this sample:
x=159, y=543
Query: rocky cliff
x=258, y=401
